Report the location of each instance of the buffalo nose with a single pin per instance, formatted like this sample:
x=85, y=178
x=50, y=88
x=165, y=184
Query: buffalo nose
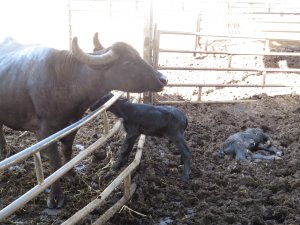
x=163, y=79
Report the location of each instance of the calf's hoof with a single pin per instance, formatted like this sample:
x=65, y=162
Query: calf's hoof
x=55, y=201
x=221, y=154
x=277, y=158
x=117, y=165
x=72, y=177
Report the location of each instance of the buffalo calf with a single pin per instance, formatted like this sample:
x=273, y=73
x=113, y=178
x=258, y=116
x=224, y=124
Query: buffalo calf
x=150, y=120
x=244, y=144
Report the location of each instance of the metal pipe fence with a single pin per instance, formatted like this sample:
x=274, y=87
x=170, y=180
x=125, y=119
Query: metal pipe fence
x=157, y=50
x=35, y=151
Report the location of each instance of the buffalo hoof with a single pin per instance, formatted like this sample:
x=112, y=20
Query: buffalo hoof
x=55, y=202
x=185, y=178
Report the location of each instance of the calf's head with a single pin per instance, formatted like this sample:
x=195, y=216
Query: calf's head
x=115, y=108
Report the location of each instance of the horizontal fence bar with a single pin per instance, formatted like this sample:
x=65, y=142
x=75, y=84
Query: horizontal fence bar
x=22, y=155
x=232, y=53
x=203, y=102
x=116, y=182
x=225, y=36
x=229, y=85
x=229, y=69
x=21, y=201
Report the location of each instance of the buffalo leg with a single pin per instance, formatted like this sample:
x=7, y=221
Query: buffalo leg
x=2, y=140
x=67, y=144
x=185, y=152
x=125, y=150
x=55, y=198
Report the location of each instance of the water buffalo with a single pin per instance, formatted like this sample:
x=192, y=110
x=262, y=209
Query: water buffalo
x=160, y=121
x=44, y=90
x=244, y=144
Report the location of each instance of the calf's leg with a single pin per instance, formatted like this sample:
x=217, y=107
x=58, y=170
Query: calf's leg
x=264, y=157
x=125, y=150
x=185, y=152
x=270, y=149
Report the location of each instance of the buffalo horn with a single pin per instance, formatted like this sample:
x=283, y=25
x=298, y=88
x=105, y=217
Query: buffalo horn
x=97, y=44
x=103, y=59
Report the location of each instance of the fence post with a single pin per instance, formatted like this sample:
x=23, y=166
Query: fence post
x=267, y=50
x=105, y=121
x=38, y=167
x=127, y=184
x=148, y=40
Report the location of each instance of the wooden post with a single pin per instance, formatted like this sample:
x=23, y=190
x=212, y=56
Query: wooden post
x=38, y=167
x=127, y=183
x=148, y=37
x=267, y=50
x=198, y=38
x=199, y=93
x=106, y=123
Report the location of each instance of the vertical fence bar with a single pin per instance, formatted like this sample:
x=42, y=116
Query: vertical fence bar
x=148, y=39
x=199, y=93
x=267, y=50
x=198, y=38
x=127, y=184
x=106, y=123
x=38, y=167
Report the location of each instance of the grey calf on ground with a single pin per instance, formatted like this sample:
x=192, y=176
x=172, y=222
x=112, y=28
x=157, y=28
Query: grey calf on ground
x=244, y=144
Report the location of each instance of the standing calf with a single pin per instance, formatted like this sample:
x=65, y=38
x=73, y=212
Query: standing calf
x=244, y=143
x=150, y=120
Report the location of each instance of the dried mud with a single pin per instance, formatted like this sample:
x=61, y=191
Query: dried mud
x=221, y=191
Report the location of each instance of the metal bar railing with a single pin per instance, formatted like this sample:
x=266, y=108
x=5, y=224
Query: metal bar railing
x=230, y=53
x=226, y=36
x=20, y=156
x=35, y=191
x=35, y=150
x=229, y=85
x=157, y=50
x=116, y=182
x=229, y=69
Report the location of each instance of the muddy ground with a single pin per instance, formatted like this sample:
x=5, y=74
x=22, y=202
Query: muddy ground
x=221, y=191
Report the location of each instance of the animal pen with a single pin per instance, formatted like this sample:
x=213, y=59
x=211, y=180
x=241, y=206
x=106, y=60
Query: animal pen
x=264, y=14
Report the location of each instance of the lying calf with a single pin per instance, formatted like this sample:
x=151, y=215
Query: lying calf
x=150, y=120
x=243, y=144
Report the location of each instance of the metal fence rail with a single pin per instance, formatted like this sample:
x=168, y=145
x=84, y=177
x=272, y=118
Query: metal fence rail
x=128, y=191
x=157, y=50
x=36, y=148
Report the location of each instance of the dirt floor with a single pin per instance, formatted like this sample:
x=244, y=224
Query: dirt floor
x=221, y=191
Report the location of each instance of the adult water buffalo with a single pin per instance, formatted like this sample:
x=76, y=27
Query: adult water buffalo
x=44, y=90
